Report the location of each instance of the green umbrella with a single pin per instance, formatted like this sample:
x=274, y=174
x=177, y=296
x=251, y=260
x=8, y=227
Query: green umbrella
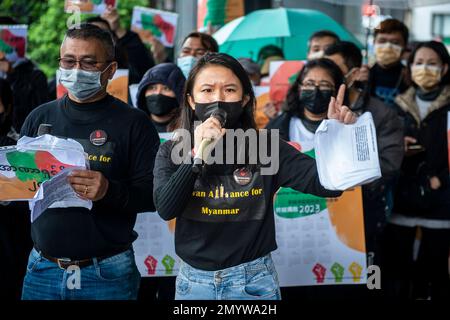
x=289, y=29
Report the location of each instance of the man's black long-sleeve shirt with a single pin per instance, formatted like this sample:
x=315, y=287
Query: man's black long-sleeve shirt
x=126, y=159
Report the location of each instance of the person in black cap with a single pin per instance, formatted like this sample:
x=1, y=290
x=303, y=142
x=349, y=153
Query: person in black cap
x=160, y=93
x=121, y=145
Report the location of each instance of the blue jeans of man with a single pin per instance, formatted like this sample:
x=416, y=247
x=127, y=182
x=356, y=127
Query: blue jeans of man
x=113, y=278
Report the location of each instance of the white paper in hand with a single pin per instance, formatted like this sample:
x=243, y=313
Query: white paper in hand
x=57, y=193
x=347, y=154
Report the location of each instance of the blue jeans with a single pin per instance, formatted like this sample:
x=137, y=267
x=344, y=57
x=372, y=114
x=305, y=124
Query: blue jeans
x=114, y=278
x=254, y=280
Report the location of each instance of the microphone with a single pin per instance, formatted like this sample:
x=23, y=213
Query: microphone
x=221, y=116
x=44, y=128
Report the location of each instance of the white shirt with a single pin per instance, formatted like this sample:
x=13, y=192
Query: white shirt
x=298, y=133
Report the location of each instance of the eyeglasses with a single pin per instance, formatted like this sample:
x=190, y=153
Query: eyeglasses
x=322, y=85
x=85, y=64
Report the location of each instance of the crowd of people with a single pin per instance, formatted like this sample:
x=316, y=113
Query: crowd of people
x=406, y=91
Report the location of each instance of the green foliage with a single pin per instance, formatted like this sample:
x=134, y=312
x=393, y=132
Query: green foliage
x=45, y=36
x=24, y=11
x=48, y=23
x=125, y=9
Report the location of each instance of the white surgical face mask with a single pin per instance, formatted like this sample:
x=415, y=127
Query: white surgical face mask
x=316, y=55
x=80, y=83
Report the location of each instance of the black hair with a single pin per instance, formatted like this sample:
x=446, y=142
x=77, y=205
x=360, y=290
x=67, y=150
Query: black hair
x=208, y=42
x=269, y=51
x=7, y=20
x=6, y=96
x=98, y=19
x=86, y=31
x=187, y=117
x=440, y=50
x=292, y=105
x=323, y=34
x=349, y=51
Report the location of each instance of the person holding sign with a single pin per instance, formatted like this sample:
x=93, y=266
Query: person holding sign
x=138, y=57
x=305, y=108
x=422, y=200
x=82, y=254
x=28, y=82
x=225, y=228
x=389, y=131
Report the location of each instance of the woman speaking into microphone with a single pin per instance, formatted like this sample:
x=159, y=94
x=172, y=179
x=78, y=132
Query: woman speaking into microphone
x=225, y=227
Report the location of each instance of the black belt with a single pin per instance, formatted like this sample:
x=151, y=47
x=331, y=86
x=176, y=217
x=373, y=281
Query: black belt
x=64, y=263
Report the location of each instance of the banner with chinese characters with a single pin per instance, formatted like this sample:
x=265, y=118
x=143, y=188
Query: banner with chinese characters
x=320, y=241
x=154, y=249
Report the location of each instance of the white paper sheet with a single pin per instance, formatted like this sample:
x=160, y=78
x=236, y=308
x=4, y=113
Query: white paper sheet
x=347, y=155
x=57, y=193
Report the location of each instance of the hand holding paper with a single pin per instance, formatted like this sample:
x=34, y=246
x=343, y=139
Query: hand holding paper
x=347, y=155
x=88, y=184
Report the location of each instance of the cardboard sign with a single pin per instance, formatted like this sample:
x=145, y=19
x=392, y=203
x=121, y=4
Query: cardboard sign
x=155, y=23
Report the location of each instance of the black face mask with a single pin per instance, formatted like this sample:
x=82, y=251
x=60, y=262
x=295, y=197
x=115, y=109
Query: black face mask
x=233, y=109
x=315, y=101
x=159, y=104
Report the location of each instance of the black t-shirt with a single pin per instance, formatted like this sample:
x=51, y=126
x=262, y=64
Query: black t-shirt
x=126, y=159
x=221, y=223
x=386, y=83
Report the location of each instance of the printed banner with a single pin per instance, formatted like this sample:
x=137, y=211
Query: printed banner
x=262, y=100
x=13, y=42
x=90, y=6
x=118, y=85
x=155, y=23
x=282, y=75
x=23, y=170
x=154, y=249
x=320, y=241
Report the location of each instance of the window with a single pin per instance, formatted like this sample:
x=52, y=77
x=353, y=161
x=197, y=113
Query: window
x=441, y=25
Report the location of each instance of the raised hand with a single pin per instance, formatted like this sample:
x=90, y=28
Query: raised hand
x=339, y=112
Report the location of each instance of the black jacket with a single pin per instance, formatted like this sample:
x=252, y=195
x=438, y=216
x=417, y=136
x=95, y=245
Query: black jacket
x=29, y=86
x=414, y=195
x=138, y=56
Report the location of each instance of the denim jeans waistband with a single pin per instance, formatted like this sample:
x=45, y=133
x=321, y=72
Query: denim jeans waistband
x=236, y=274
